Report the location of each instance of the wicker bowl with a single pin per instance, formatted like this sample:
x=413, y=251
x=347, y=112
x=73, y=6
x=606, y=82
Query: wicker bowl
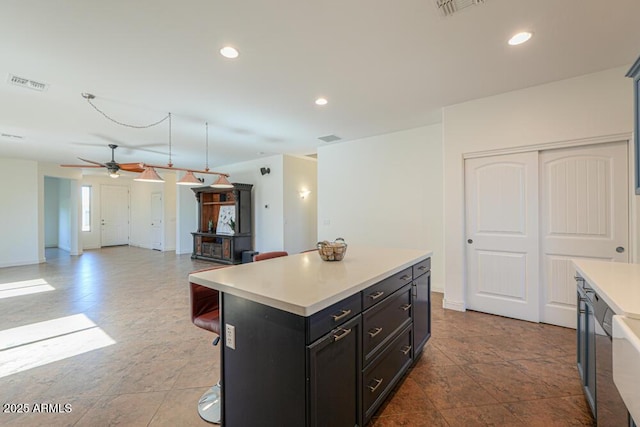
x=332, y=251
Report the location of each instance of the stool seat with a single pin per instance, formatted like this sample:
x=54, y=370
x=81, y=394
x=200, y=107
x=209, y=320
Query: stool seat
x=205, y=314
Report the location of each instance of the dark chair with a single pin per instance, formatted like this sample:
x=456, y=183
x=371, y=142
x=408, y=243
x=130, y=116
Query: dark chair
x=268, y=255
x=205, y=314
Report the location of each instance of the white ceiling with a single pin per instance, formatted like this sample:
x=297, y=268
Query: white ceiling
x=383, y=65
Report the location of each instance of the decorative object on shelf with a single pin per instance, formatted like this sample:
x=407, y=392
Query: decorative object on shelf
x=226, y=220
x=148, y=171
x=332, y=251
x=210, y=226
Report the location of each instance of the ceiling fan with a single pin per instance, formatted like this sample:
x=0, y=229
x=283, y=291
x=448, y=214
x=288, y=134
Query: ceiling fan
x=112, y=166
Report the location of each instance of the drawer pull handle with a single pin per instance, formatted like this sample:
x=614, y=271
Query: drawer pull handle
x=375, y=387
x=422, y=267
x=582, y=311
x=375, y=331
x=342, y=315
x=406, y=350
x=578, y=278
x=343, y=333
x=405, y=307
x=376, y=295
x=405, y=277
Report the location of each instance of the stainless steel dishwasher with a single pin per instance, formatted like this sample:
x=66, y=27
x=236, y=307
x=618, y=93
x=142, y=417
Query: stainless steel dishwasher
x=595, y=359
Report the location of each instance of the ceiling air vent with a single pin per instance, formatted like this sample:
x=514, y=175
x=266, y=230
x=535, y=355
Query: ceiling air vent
x=31, y=84
x=330, y=138
x=449, y=7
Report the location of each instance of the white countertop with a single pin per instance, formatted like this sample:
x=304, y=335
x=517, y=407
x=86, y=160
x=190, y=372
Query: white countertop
x=303, y=284
x=615, y=282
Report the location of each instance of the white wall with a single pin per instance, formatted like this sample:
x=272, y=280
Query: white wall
x=300, y=215
x=170, y=211
x=140, y=214
x=186, y=219
x=51, y=202
x=267, y=199
x=588, y=106
x=385, y=191
x=19, y=244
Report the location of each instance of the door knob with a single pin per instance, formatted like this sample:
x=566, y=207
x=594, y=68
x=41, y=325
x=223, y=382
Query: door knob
x=620, y=249
x=470, y=241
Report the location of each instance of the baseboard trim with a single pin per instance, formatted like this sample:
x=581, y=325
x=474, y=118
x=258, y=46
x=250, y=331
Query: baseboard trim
x=453, y=305
x=22, y=262
x=437, y=287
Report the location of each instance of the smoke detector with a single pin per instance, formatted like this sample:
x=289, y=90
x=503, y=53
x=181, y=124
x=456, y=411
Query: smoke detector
x=449, y=7
x=28, y=83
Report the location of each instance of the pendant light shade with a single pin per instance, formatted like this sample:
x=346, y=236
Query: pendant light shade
x=149, y=174
x=189, y=179
x=222, y=182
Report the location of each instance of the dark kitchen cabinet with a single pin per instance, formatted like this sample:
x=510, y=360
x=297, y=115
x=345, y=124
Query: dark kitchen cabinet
x=421, y=290
x=334, y=377
x=586, y=344
x=634, y=73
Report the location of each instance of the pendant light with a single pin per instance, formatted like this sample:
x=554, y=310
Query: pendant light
x=189, y=179
x=149, y=174
x=222, y=182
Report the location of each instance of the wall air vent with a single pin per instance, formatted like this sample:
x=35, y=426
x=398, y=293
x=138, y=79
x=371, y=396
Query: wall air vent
x=31, y=84
x=449, y=7
x=330, y=138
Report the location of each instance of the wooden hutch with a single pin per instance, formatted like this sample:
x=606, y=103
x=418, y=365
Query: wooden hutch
x=223, y=236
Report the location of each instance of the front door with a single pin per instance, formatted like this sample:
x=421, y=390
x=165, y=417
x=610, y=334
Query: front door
x=114, y=210
x=584, y=215
x=501, y=197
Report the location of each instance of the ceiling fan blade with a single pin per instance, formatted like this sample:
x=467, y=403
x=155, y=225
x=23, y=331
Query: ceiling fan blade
x=91, y=161
x=131, y=167
x=81, y=166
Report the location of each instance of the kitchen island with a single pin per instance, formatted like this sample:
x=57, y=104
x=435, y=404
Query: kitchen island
x=309, y=342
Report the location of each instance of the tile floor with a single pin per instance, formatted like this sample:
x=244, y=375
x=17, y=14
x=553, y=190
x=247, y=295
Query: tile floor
x=145, y=364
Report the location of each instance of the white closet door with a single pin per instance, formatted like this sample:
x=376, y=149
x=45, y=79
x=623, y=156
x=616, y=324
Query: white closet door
x=584, y=214
x=114, y=202
x=501, y=196
x=156, y=221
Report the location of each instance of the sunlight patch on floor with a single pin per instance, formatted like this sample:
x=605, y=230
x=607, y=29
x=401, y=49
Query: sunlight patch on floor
x=38, y=344
x=25, y=287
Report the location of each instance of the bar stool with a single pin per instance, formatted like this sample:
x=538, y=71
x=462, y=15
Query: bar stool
x=205, y=314
x=268, y=255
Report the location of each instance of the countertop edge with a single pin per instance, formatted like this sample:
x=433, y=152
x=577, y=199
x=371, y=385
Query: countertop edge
x=311, y=309
x=593, y=282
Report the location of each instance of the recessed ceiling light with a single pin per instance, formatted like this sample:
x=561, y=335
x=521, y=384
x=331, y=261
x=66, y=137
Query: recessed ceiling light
x=520, y=38
x=322, y=101
x=229, y=52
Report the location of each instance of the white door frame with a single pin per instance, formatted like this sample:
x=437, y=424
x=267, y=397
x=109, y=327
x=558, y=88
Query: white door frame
x=626, y=137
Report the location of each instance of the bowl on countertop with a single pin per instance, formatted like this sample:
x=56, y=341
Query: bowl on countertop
x=332, y=251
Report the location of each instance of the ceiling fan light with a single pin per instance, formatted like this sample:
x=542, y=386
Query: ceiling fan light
x=149, y=175
x=189, y=179
x=222, y=182
x=114, y=174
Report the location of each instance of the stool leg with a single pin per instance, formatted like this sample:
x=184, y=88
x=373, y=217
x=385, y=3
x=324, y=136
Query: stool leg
x=209, y=404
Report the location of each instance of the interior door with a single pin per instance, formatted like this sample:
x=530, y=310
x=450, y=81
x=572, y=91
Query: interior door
x=156, y=221
x=584, y=214
x=114, y=211
x=501, y=196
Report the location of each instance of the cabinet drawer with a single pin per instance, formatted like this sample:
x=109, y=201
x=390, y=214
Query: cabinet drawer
x=422, y=267
x=332, y=316
x=384, y=372
x=382, y=321
x=381, y=290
